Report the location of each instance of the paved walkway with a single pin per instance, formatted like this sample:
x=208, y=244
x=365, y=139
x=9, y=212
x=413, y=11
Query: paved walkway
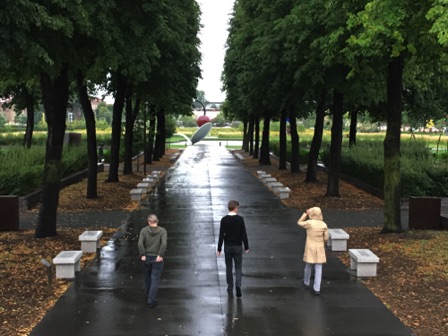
x=107, y=297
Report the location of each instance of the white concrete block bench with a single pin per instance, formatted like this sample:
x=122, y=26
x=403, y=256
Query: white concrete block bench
x=239, y=156
x=174, y=157
x=275, y=186
x=260, y=172
x=338, y=239
x=90, y=241
x=364, y=262
x=268, y=181
x=137, y=194
x=265, y=176
x=144, y=186
x=283, y=192
x=151, y=180
x=67, y=263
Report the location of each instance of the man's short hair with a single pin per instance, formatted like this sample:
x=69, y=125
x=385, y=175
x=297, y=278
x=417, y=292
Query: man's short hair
x=233, y=205
x=153, y=218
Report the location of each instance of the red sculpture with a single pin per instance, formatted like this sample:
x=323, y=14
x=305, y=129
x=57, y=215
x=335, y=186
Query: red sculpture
x=202, y=120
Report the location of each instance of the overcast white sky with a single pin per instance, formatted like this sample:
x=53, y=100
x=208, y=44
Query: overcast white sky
x=215, y=18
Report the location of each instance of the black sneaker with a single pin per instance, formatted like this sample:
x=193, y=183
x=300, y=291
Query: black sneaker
x=153, y=304
x=315, y=292
x=238, y=292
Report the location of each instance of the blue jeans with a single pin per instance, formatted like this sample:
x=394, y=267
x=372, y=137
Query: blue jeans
x=153, y=272
x=233, y=254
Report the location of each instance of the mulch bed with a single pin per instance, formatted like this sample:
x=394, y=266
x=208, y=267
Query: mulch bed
x=412, y=276
x=412, y=279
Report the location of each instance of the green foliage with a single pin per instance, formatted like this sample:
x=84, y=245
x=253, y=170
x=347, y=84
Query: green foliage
x=303, y=153
x=76, y=125
x=23, y=168
x=187, y=121
x=2, y=120
x=422, y=174
x=170, y=126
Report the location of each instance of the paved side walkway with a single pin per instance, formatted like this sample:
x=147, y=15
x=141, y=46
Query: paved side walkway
x=107, y=297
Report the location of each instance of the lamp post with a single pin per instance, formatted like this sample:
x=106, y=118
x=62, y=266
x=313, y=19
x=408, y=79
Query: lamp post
x=144, y=138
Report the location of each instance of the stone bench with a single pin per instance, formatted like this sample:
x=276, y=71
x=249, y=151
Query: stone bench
x=137, y=194
x=275, y=186
x=283, y=192
x=144, y=186
x=150, y=180
x=364, y=262
x=337, y=240
x=239, y=156
x=260, y=172
x=153, y=175
x=90, y=241
x=264, y=177
x=174, y=157
x=268, y=181
x=67, y=263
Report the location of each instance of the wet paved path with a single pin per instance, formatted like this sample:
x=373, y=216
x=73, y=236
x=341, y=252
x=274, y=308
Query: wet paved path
x=107, y=298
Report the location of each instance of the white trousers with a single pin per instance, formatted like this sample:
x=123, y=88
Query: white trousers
x=317, y=275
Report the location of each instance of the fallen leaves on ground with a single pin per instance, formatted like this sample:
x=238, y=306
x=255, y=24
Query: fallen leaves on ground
x=24, y=288
x=412, y=276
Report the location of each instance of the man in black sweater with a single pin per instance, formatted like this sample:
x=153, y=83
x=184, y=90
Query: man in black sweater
x=233, y=233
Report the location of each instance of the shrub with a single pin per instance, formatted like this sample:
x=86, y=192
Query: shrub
x=421, y=173
x=23, y=168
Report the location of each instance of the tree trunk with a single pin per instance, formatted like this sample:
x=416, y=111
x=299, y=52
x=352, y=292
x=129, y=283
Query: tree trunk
x=335, y=146
x=151, y=135
x=161, y=125
x=89, y=117
x=265, y=158
x=316, y=143
x=160, y=134
x=257, y=138
x=353, y=127
x=392, y=175
x=295, y=168
x=131, y=116
x=55, y=100
x=28, y=138
x=250, y=132
x=116, y=130
x=283, y=141
x=245, y=145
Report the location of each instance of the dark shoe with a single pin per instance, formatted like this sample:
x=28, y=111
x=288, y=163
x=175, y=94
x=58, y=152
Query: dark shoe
x=153, y=304
x=238, y=292
x=316, y=293
x=305, y=285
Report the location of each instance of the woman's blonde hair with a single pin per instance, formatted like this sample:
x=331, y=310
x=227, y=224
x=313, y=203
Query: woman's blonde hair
x=316, y=213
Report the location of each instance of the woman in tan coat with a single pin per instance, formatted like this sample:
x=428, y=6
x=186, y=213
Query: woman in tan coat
x=316, y=236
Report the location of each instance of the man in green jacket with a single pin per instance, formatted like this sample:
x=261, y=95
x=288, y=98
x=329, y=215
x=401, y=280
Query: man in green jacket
x=152, y=244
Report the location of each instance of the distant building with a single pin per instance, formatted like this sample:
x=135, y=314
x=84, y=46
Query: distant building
x=8, y=112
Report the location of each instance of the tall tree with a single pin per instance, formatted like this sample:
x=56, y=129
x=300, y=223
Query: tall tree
x=396, y=39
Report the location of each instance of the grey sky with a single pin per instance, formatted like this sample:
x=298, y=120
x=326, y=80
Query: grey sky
x=215, y=18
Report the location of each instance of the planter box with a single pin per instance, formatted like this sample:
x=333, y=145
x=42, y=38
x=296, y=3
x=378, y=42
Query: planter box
x=9, y=213
x=424, y=213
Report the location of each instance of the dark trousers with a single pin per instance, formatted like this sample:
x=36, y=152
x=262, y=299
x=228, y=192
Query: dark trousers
x=233, y=254
x=153, y=272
